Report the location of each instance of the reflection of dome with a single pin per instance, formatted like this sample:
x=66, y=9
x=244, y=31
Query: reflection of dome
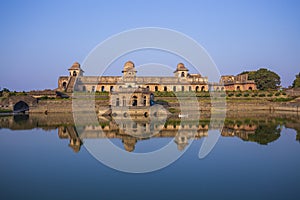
x=129, y=143
x=129, y=65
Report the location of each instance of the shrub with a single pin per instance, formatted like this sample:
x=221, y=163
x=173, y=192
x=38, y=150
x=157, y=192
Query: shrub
x=262, y=95
x=283, y=93
x=270, y=95
x=277, y=94
x=238, y=95
x=254, y=95
x=230, y=94
x=246, y=95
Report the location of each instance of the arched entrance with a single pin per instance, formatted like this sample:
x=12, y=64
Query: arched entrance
x=21, y=106
x=134, y=101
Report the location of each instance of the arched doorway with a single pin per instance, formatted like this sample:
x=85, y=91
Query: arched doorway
x=64, y=85
x=202, y=89
x=238, y=88
x=197, y=88
x=165, y=88
x=250, y=88
x=134, y=101
x=156, y=88
x=21, y=106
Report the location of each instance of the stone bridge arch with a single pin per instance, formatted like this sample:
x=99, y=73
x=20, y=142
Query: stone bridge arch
x=21, y=103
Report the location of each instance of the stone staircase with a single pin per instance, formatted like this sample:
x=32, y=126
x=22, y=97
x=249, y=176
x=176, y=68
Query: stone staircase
x=71, y=83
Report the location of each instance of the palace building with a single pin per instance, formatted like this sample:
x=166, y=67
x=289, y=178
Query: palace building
x=180, y=82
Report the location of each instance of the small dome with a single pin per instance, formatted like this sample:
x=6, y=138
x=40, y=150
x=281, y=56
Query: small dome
x=129, y=65
x=180, y=66
x=75, y=65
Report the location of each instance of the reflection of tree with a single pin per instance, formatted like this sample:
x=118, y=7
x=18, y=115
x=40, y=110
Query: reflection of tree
x=298, y=135
x=265, y=133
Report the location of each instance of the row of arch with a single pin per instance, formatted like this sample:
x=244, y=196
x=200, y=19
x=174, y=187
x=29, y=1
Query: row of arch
x=134, y=101
x=183, y=88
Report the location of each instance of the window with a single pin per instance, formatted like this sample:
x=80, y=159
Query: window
x=74, y=73
x=174, y=88
x=156, y=88
x=134, y=101
x=238, y=88
x=190, y=88
x=202, y=88
x=111, y=88
x=102, y=88
x=117, y=102
x=182, y=88
x=165, y=88
x=83, y=88
x=124, y=101
x=64, y=85
x=93, y=88
x=145, y=100
x=250, y=88
x=197, y=88
x=182, y=74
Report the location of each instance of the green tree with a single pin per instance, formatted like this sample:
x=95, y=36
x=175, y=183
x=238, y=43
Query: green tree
x=264, y=78
x=296, y=83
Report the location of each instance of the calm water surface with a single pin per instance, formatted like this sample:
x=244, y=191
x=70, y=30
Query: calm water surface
x=257, y=157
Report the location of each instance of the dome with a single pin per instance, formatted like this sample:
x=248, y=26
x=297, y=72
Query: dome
x=75, y=65
x=181, y=66
x=129, y=65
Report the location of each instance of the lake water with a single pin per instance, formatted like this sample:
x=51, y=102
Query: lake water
x=256, y=157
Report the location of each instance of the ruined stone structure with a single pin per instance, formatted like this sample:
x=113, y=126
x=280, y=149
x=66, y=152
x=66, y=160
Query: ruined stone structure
x=182, y=81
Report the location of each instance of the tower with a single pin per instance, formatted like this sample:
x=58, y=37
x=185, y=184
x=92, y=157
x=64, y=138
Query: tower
x=181, y=71
x=75, y=70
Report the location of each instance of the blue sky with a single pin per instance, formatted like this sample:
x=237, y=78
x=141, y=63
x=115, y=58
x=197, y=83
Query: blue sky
x=41, y=39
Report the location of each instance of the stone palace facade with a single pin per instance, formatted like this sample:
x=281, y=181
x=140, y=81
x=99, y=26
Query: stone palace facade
x=181, y=81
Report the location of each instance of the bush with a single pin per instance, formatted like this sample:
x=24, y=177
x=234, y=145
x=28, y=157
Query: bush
x=230, y=94
x=283, y=93
x=262, y=95
x=277, y=94
x=270, y=95
x=254, y=95
x=238, y=95
x=246, y=95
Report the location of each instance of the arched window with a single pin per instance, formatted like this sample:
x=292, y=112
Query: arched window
x=74, y=73
x=93, y=88
x=202, y=88
x=217, y=89
x=182, y=74
x=190, y=88
x=102, y=88
x=165, y=88
x=111, y=88
x=156, y=88
x=182, y=88
x=147, y=86
x=222, y=88
x=117, y=102
x=174, y=88
x=250, y=88
x=197, y=88
x=64, y=85
x=134, y=101
x=238, y=88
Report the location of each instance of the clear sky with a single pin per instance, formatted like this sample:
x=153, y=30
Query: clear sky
x=41, y=39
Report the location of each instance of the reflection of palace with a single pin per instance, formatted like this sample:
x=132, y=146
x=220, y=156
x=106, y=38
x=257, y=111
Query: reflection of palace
x=130, y=132
x=182, y=81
